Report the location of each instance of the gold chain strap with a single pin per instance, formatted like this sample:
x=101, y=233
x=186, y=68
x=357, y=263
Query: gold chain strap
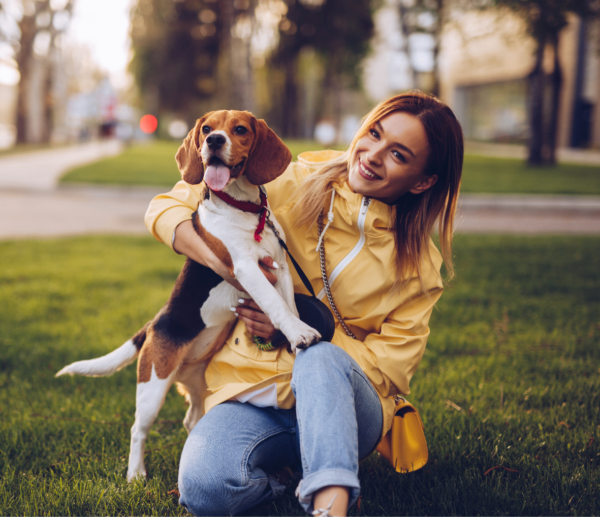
x=326, y=282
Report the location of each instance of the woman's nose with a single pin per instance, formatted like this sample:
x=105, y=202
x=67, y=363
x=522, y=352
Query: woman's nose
x=374, y=156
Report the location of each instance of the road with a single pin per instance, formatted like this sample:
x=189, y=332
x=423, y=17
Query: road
x=32, y=204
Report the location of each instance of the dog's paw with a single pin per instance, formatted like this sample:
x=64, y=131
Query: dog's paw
x=133, y=474
x=301, y=336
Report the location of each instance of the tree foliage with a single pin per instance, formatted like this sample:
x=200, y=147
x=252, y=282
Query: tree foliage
x=339, y=31
x=189, y=52
x=176, y=47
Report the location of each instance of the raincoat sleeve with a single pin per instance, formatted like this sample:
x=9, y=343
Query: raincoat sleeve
x=167, y=211
x=390, y=358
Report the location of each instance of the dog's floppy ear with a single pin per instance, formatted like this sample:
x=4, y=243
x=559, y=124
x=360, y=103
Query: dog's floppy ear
x=269, y=156
x=188, y=158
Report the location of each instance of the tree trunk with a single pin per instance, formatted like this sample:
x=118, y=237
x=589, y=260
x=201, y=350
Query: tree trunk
x=48, y=100
x=437, y=34
x=226, y=81
x=24, y=63
x=290, y=100
x=406, y=32
x=557, y=80
x=536, y=100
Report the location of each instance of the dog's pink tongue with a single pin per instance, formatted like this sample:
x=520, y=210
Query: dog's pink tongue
x=217, y=176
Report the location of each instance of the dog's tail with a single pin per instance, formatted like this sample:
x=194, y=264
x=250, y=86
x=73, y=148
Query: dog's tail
x=110, y=363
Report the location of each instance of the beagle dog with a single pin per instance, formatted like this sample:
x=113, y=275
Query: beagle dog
x=234, y=154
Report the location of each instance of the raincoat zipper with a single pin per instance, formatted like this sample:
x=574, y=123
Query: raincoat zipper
x=362, y=216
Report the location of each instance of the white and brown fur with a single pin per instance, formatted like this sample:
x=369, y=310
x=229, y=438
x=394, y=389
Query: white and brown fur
x=176, y=345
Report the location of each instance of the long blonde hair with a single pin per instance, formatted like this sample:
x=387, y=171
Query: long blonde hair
x=413, y=215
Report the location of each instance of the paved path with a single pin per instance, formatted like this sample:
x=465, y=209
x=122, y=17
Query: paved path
x=32, y=205
x=40, y=170
x=529, y=215
x=66, y=211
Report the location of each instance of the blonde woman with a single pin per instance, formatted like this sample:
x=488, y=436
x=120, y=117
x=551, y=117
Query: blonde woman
x=323, y=410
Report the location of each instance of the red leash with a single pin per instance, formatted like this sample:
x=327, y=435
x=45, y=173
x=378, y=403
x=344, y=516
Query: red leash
x=246, y=206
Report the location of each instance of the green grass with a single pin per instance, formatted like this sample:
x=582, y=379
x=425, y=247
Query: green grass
x=151, y=164
x=514, y=344
x=154, y=164
x=483, y=174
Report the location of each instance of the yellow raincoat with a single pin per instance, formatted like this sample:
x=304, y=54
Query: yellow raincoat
x=392, y=328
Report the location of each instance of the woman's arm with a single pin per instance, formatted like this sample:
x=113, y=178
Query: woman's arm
x=187, y=242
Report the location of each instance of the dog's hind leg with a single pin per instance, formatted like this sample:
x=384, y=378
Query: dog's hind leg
x=192, y=384
x=157, y=368
x=190, y=379
x=150, y=397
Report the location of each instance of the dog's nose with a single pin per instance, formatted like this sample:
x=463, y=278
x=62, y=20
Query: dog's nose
x=215, y=141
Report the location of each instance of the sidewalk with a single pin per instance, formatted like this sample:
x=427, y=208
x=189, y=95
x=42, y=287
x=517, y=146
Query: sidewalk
x=40, y=170
x=33, y=204
x=73, y=211
x=528, y=215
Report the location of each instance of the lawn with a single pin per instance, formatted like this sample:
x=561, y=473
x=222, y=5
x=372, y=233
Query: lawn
x=509, y=388
x=150, y=164
x=154, y=164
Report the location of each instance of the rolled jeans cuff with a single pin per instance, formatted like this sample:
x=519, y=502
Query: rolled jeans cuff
x=323, y=478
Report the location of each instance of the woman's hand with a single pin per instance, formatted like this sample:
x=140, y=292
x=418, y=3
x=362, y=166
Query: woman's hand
x=188, y=243
x=257, y=322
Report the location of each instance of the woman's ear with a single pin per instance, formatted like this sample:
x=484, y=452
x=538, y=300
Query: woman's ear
x=188, y=157
x=426, y=183
x=269, y=156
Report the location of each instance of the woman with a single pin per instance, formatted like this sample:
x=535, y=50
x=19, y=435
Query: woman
x=325, y=409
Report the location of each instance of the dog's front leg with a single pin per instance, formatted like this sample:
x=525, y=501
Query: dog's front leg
x=150, y=397
x=285, y=286
x=298, y=333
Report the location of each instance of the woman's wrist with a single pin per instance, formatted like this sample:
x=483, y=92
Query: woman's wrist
x=187, y=242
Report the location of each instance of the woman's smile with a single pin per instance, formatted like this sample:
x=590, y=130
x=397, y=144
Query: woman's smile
x=367, y=172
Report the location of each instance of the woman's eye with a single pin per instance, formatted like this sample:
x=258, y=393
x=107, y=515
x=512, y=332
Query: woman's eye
x=206, y=129
x=374, y=133
x=399, y=156
x=241, y=130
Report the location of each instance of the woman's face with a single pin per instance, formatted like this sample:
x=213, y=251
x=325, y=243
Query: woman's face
x=390, y=159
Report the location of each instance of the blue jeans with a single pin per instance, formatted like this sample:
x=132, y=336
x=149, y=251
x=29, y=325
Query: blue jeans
x=227, y=458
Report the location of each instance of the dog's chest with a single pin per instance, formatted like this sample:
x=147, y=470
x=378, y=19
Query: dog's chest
x=236, y=230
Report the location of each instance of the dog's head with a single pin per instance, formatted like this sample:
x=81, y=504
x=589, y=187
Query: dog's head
x=223, y=145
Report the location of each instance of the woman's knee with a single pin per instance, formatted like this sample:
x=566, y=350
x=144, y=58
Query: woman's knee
x=322, y=355
x=216, y=472
x=200, y=501
x=202, y=491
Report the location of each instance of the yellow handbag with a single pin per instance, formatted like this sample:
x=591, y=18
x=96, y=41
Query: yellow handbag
x=404, y=445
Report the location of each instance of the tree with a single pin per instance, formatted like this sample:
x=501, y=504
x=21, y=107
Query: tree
x=40, y=24
x=339, y=31
x=183, y=54
x=424, y=17
x=545, y=19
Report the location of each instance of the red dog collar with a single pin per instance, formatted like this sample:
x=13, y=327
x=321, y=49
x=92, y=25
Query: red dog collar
x=246, y=206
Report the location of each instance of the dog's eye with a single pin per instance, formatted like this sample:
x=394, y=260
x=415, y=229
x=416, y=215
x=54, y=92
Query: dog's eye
x=206, y=129
x=241, y=130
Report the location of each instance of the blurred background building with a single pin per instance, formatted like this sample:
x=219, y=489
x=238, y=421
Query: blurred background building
x=514, y=72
